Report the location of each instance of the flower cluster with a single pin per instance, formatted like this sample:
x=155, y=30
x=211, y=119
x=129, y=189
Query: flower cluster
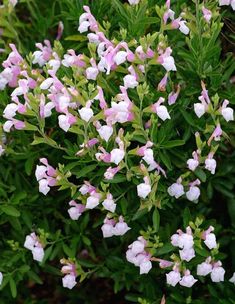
x=33, y=243
x=137, y=255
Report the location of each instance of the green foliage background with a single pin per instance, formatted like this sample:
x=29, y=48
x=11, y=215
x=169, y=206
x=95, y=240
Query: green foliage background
x=23, y=209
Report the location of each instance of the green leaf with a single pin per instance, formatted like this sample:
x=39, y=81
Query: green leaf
x=85, y=170
x=13, y=288
x=173, y=143
x=10, y=210
x=200, y=174
x=156, y=220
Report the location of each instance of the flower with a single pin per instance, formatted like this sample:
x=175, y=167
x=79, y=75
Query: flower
x=193, y=193
x=210, y=165
x=167, y=61
x=161, y=110
x=204, y=268
x=105, y=132
x=76, y=210
x=187, y=280
x=38, y=254
x=226, y=111
x=33, y=243
x=176, y=190
x=232, y=279
x=199, y=109
x=117, y=156
x=143, y=190
x=121, y=227
x=210, y=241
x=217, y=274
x=193, y=162
x=69, y=281
x=133, y=2
x=173, y=278
x=145, y=266
x=109, y=204
x=130, y=82
x=93, y=201
x=187, y=254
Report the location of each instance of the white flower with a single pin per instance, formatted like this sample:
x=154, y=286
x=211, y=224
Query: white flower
x=217, y=274
x=176, y=190
x=192, y=164
x=210, y=165
x=10, y=111
x=120, y=57
x=1, y=278
x=46, y=83
x=162, y=112
x=173, y=278
x=185, y=241
x=105, y=132
x=133, y=2
x=137, y=247
x=7, y=126
x=92, y=73
x=38, y=58
x=43, y=186
x=148, y=156
x=204, y=269
x=74, y=213
x=187, y=281
x=169, y=63
x=92, y=202
x=84, y=189
x=193, y=193
x=130, y=81
x=120, y=228
x=117, y=156
x=224, y=2
x=183, y=27
x=187, y=254
x=107, y=230
x=83, y=27
x=38, y=254
x=29, y=242
x=69, y=281
x=210, y=241
x=109, y=204
x=130, y=256
x=64, y=122
x=145, y=266
x=143, y=190
x=227, y=114
x=232, y=279
x=93, y=38
x=199, y=109
x=86, y=113
x=40, y=172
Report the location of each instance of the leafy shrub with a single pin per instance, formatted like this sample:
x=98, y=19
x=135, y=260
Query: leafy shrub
x=117, y=152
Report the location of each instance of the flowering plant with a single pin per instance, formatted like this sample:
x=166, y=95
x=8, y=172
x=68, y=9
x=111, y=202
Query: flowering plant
x=122, y=141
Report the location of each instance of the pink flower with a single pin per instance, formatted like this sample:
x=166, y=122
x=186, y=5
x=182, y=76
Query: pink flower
x=172, y=97
x=167, y=61
x=217, y=133
x=109, y=204
x=121, y=227
x=193, y=162
x=110, y=173
x=76, y=210
x=206, y=14
x=160, y=110
x=187, y=280
x=162, y=84
x=46, y=176
x=144, y=189
x=32, y=242
x=173, y=277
